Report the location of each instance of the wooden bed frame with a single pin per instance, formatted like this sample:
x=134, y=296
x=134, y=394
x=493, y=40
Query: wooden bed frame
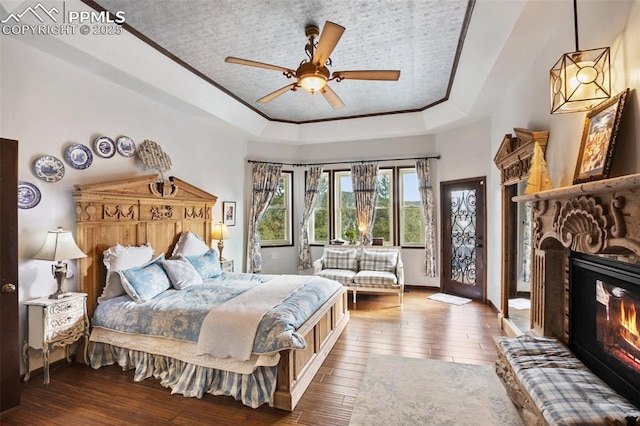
x=145, y=209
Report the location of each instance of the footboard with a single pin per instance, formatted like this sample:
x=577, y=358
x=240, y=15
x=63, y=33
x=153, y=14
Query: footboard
x=297, y=368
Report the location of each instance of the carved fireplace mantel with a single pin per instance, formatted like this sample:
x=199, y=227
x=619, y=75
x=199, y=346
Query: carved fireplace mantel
x=601, y=217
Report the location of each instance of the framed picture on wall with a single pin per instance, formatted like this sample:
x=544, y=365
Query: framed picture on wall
x=598, y=140
x=229, y=213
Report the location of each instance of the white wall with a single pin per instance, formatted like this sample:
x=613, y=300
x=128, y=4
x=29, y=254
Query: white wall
x=49, y=104
x=527, y=105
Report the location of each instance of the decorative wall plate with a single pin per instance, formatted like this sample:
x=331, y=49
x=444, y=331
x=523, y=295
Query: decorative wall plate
x=104, y=146
x=49, y=168
x=125, y=146
x=28, y=195
x=79, y=156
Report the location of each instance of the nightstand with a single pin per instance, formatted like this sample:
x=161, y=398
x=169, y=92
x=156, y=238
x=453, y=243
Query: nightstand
x=226, y=265
x=53, y=323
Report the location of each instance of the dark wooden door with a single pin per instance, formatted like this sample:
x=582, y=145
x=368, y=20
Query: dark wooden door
x=9, y=338
x=463, y=238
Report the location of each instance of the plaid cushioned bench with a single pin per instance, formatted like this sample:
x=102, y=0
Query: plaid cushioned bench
x=549, y=385
x=366, y=269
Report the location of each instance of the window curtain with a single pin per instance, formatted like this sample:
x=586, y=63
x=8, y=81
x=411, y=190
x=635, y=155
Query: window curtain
x=426, y=195
x=364, y=177
x=266, y=177
x=310, y=196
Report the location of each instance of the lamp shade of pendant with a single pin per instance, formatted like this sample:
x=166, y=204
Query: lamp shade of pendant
x=580, y=80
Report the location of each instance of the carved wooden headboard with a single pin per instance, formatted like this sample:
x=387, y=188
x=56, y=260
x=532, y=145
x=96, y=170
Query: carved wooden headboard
x=132, y=212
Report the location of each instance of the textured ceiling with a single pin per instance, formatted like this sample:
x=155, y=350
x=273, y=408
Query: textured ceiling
x=420, y=38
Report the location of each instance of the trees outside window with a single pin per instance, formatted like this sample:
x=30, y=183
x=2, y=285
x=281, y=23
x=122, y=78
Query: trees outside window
x=383, y=219
x=334, y=215
x=319, y=221
x=411, y=221
x=275, y=226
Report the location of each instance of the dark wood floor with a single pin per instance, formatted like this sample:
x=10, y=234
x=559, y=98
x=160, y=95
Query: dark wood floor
x=78, y=395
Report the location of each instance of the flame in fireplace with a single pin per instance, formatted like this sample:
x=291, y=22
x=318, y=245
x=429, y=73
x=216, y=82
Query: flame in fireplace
x=628, y=318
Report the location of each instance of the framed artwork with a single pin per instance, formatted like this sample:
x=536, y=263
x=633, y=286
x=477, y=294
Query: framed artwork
x=599, y=139
x=229, y=213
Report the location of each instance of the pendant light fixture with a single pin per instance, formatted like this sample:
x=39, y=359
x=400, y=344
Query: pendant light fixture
x=581, y=79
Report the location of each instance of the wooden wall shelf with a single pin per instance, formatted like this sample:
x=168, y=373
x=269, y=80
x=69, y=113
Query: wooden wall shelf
x=588, y=188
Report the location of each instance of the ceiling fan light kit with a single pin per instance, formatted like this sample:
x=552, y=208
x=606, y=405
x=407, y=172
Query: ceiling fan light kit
x=313, y=73
x=581, y=79
x=311, y=77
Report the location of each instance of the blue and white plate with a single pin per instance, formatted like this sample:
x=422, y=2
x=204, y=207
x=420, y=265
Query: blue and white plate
x=125, y=146
x=104, y=146
x=28, y=195
x=49, y=168
x=79, y=156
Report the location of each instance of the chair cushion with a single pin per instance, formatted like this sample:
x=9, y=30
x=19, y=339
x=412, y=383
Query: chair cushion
x=345, y=276
x=340, y=259
x=376, y=279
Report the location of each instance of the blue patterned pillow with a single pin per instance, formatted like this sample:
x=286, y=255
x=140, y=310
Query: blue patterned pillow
x=147, y=281
x=181, y=272
x=207, y=264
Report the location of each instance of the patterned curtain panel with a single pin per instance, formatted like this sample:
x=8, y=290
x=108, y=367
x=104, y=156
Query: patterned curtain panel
x=265, y=183
x=426, y=195
x=364, y=177
x=310, y=196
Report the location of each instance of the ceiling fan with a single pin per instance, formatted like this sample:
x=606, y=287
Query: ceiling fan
x=313, y=74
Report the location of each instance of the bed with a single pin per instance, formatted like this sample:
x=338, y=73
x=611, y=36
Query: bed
x=144, y=211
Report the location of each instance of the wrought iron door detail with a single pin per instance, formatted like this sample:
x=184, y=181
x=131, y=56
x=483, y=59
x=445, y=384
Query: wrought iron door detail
x=463, y=236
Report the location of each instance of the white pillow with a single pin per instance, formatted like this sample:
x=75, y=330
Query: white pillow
x=118, y=258
x=189, y=244
x=181, y=272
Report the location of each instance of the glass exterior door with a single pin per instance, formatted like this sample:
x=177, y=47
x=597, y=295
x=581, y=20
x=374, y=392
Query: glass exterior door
x=463, y=230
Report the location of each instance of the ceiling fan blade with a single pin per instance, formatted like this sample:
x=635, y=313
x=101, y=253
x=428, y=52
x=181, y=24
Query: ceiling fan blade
x=271, y=96
x=329, y=37
x=331, y=97
x=249, y=63
x=392, y=75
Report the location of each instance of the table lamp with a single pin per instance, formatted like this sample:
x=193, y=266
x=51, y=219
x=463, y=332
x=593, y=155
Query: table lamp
x=220, y=233
x=59, y=245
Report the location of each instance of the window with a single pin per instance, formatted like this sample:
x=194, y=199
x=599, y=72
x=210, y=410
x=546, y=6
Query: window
x=319, y=221
x=412, y=231
x=275, y=226
x=345, y=207
x=383, y=219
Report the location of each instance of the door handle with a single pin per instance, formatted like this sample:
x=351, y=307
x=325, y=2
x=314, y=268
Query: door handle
x=8, y=288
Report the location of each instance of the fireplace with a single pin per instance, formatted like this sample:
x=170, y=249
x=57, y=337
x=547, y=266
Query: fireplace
x=581, y=291
x=604, y=296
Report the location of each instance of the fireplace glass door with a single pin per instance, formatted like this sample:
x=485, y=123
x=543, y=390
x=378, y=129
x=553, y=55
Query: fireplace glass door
x=603, y=322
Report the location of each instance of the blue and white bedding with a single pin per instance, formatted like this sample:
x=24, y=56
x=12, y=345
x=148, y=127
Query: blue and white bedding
x=159, y=337
x=178, y=314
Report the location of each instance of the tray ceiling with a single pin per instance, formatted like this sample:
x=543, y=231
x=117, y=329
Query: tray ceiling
x=421, y=38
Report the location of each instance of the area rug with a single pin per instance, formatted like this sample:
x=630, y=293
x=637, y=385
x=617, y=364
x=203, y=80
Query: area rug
x=520, y=303
x=448, y=298
x=411, y=391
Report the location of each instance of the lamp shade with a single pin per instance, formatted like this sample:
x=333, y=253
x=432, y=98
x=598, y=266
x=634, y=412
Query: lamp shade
x=59, y=245
x=580, y=80
x=312, y=83
x=219, y=232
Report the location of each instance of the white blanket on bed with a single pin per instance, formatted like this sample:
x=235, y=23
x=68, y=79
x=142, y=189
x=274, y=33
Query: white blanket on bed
x=229, y=330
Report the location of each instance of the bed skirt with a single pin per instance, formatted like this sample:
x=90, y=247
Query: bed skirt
x=188, y=379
